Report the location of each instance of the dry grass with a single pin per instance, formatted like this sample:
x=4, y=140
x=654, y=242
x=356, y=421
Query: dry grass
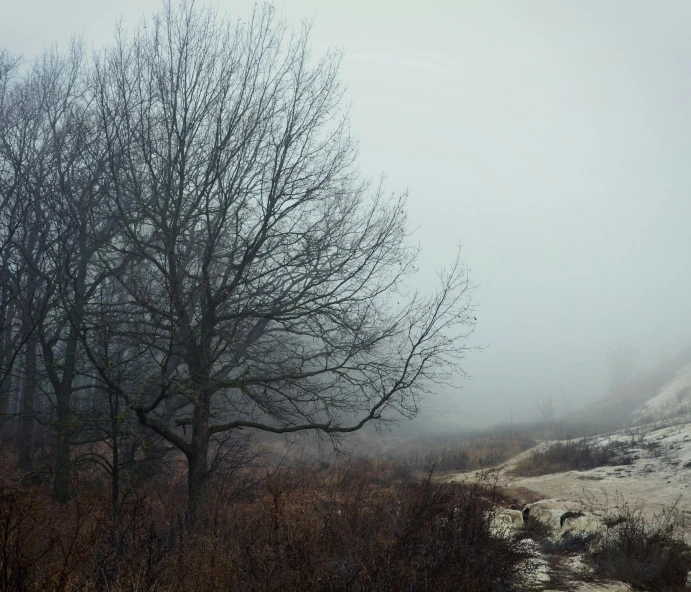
x=581, y=455
x=351, y=526
x=648, y=553
x=475, y=452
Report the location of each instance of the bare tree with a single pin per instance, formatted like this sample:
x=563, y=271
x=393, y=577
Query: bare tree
x=264, y=284
x=545, y=406
x=54, y=153
x=11, y=342
x=22, y=156
x=72, y=229
x=108, y=420
x=621, y=369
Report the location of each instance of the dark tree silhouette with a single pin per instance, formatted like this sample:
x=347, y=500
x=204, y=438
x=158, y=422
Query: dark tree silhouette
x=190, y=241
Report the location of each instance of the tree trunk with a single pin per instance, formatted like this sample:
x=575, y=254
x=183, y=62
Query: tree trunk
x=115, y=479
x=5, y=373
x=5, y=392
x=198, y=482
x=62, y=385
x=6, y=347
x=26, y=429
x=114, y=406
x=61, y=486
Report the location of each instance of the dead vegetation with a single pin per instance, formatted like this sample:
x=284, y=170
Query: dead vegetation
x=473, y=452
x=358, y=524
x=579, y=455
x=348, y=526
x=650, y=553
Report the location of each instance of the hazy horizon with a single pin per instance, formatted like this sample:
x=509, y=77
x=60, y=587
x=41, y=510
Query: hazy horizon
x=552, y=140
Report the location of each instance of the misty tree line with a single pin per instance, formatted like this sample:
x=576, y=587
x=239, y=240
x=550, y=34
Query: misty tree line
x=188, y=250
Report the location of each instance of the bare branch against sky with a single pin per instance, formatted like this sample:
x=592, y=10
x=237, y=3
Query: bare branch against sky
x=552, y=139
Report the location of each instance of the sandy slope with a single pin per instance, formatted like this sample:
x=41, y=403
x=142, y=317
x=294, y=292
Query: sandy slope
x=673, y=399
x=658, y=477
x=661, y=471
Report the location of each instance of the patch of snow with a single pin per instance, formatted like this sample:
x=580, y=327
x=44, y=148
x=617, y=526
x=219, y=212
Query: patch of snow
x=536, y=569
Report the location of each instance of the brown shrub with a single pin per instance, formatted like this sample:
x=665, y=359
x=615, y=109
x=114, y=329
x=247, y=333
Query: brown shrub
x=648, y=553
x=580, y=455
x=353, y=526
x=458, y=454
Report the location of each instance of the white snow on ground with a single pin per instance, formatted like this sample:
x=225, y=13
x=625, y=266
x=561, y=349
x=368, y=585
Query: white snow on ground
x=585, y=587
x=659, y=476
x=537, y=569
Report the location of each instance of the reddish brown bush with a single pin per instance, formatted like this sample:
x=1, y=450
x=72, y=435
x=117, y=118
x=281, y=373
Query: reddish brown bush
x=354, y=527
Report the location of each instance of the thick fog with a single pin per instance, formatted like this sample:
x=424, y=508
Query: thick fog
x=553, y=139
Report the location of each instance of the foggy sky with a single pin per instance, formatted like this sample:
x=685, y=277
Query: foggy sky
x=552, y=138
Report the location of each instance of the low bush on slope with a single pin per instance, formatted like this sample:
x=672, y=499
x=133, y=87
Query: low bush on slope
x=579, y=455
x=648, y=553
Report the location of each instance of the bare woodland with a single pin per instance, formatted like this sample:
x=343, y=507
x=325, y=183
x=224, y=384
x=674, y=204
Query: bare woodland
x=189, y=253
